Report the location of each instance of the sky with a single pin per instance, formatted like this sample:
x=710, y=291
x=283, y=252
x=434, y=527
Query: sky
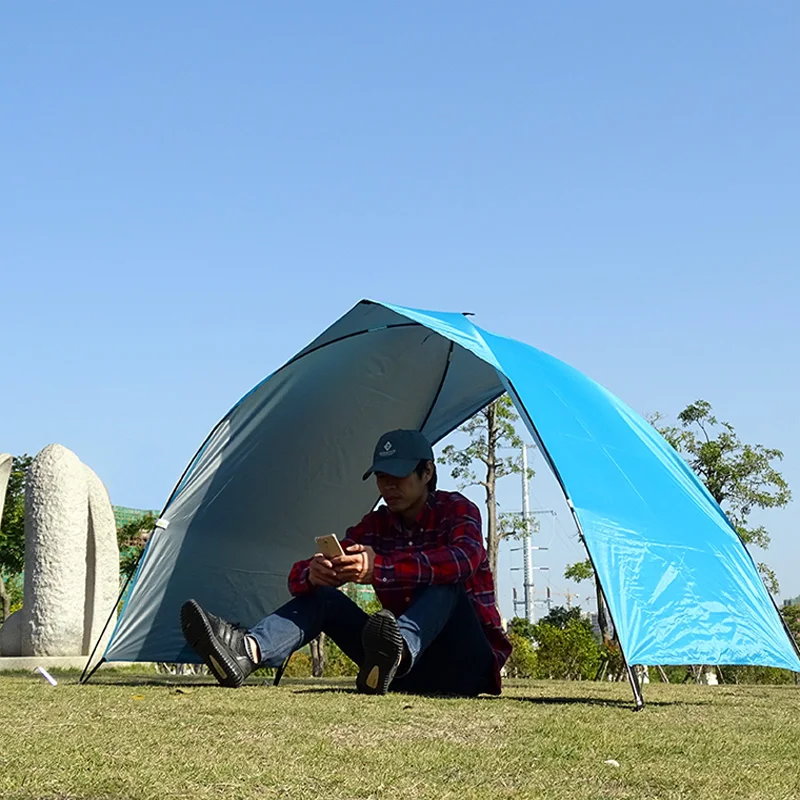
x=191, y=192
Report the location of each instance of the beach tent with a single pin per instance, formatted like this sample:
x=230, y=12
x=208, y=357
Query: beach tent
x=285, y=465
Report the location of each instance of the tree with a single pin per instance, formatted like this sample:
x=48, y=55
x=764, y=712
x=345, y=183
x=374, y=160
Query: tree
x=583, y=571
x=522, y=663
x=560, y=617
x=520, y=626
x=570, y=652
x=579, y=571
x=131, y=539
x=12, y=526
x=740, y=477
x=490, y=430
x=791, y=615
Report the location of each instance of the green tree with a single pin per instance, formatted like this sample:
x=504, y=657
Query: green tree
x=131, y=539
x=583, y=571
x=520, y=626
x=560, y=617
x=568, y=653
x=12, y=527
x=740, y=477
x=523, y=662
x=580, y=571
x=491, y=430
x=791, y=615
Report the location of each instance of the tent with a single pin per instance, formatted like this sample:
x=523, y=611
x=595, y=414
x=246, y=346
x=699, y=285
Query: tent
x=285, y=464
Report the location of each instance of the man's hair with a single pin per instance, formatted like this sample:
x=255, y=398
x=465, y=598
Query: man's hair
x=420, y=470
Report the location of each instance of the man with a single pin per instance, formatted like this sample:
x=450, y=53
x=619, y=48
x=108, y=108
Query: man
x=439, y=630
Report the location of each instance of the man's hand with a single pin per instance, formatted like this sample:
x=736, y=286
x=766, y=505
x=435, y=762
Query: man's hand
x=322, y=573
x=356, y=566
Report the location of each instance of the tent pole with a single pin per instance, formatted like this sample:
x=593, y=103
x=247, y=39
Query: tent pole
x=786, y=627
x=637, y=690
x=84, y=680
x=84, y=677
x=279, y=672
x=632, y=677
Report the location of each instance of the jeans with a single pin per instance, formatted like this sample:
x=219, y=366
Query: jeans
x=449, y=652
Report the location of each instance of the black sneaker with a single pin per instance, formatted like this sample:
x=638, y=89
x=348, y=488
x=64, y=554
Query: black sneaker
x=218, y=643
x=383, y=651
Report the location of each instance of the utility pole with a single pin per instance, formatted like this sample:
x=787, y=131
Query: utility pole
x=527, y=602
x=528, y=547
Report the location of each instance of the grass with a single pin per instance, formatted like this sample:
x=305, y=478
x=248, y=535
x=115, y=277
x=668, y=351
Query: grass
x=134, y=736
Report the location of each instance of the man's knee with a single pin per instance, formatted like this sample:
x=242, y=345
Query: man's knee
x=445, y=597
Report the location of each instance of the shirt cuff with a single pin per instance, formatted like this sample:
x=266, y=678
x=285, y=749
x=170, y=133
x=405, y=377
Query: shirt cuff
x=300, y=583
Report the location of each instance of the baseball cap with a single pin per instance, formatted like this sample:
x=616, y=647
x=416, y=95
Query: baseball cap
x=398, y=452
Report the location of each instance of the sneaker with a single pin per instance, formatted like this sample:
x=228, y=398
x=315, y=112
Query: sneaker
x=220, y=644
x=383, y=651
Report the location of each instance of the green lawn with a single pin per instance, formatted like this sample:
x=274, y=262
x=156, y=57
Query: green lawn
x=136, y=736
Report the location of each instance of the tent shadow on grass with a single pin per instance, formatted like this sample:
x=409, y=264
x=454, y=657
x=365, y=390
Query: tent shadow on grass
x=557, y=700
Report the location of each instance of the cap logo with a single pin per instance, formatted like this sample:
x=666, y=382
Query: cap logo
x=388, y=449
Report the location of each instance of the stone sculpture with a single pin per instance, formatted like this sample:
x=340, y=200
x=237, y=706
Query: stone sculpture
x=5, y=473
x=71, y=560
x=6, y=462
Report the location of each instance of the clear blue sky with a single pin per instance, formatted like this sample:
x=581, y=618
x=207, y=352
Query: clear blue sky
x=192, y=193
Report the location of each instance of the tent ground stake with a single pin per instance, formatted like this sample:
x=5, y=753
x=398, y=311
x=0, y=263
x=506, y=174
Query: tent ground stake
x=637, y=689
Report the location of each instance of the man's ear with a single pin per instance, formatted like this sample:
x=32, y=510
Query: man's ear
x=428, y=474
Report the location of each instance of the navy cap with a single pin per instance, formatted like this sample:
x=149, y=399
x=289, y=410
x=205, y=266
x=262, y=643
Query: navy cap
x=398, y=453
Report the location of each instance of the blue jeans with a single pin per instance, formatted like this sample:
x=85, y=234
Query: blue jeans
x=449, y=652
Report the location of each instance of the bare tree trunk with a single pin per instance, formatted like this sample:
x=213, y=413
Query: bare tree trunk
x=492, y=539
x=317, y=647
x=6, y=600
x=602, y=614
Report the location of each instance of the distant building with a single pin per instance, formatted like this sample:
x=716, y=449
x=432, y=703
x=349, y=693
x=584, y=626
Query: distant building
x=123, y=515
x=792, y=601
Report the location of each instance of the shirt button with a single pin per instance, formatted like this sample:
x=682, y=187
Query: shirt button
x=410, y=543
x=408, y=599
x=384, y=579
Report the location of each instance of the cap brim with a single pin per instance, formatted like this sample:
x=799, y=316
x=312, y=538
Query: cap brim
x=398, y=467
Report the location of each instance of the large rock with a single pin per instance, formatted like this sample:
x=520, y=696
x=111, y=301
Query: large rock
x=71, y=560
x=5, y=471
x=9, y=632
x=102, y=576
x=56, y=536
x=11, y=635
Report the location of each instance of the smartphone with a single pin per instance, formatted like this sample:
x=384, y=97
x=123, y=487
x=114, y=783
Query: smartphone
x=329, y=546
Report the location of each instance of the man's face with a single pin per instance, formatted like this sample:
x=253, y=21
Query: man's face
x=403, y=494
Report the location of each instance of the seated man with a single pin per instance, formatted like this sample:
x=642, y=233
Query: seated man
x=439, y=630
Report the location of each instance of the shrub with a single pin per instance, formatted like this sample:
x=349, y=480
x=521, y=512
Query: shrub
x=522, y=661
x=299, y=665
x=570, y=653
x=337, y=664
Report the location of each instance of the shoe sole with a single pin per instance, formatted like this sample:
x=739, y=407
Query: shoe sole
x=383, y=649
x=199, y=635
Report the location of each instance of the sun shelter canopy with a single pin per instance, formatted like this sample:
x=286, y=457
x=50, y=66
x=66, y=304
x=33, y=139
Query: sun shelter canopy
x=285, y=465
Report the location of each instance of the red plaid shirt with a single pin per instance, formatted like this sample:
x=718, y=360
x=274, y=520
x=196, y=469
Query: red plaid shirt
x=444, y=545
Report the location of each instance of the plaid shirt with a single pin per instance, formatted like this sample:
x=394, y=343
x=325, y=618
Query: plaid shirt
x=444, y=545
